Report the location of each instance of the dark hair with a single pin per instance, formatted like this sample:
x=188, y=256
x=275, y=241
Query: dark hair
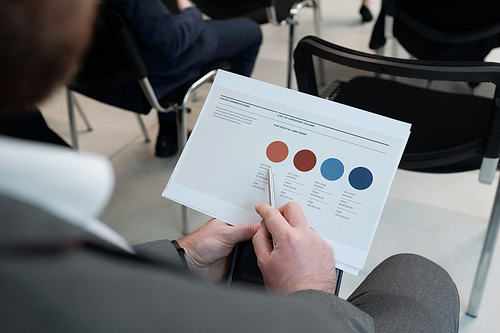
x=41, y=44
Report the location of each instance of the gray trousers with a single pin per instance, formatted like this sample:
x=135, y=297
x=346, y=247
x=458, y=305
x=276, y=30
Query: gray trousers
x=405, y=293
x=409, y=293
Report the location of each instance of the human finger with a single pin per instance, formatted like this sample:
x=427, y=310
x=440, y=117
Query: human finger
x=241, y=233
x=292, y=212
x=261, y=242
x=274, y=220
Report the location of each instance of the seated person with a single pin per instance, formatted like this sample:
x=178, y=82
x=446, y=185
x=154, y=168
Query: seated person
x=445, y=16
x=62, y=270
x=175, y=49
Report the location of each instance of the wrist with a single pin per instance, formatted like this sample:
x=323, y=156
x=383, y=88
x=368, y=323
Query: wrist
x=183, y=4
x=184, y=243
x=182, y=253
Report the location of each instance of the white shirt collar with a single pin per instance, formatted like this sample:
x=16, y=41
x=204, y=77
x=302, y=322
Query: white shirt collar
x=72, y=185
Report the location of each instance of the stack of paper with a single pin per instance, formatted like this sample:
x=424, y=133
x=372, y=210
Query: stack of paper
x=337, y=162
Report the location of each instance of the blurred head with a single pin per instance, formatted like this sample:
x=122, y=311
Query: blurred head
x=41, y=44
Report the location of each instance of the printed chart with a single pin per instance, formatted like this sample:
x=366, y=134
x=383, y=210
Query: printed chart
x=337, y=162
x=331, y=169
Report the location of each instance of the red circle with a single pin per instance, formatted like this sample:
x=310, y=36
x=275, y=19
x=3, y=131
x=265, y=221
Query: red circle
x=304, y=160
x=277, y=151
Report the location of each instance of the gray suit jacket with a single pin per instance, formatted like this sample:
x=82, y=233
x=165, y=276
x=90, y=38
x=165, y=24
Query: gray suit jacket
x=55, y=277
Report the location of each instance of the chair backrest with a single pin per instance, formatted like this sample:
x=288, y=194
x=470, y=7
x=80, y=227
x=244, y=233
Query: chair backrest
x=254, y=9
x=114, y=57
x=454, y=108
x=448, y=21
x=441, y=29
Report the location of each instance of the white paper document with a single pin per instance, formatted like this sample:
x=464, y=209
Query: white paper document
x=337, y=162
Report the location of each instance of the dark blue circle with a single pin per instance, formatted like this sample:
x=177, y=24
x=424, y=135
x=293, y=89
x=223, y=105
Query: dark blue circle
x=332, y=169
x=360, y=178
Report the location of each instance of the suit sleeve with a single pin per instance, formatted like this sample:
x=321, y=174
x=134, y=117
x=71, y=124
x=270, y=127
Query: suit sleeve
x=160, y=250
x=159, y=30
x=342, y=312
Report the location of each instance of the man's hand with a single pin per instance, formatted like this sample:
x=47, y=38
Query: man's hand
x=183, y=4
x=300, y=259
x=208, y=248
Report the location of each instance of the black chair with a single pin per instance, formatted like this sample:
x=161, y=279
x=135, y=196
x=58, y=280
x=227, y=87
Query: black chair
x=439, y=29
x=114, y=59
x=454, y=109
x=277, y=12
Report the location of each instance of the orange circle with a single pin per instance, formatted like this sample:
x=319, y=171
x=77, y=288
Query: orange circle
x=304, y=160
x=277, y=151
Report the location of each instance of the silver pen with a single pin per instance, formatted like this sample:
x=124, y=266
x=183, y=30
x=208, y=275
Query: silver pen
x=272, y=201
x=270, y=178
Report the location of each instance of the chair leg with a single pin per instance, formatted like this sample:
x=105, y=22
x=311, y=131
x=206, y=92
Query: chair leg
x=389, y=21
x=183, y=134
x=143, y=128
x=395, y=49
x=184, y=214
x=380, y=51
x=80, y=111
x=183, y=131
x=485, y=259
x=292, y=21
x=291, y=42
x=71, y=114
x=317, y=17
x=317, y=14
x=388, y=31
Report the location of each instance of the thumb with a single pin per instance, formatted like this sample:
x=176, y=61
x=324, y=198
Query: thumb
x=241, y=233
x=261, y=243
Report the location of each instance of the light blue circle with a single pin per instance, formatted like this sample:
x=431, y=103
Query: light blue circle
x=332, y=169
x=360, y=178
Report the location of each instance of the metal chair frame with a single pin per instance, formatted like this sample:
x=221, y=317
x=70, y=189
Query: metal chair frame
x=292, y=19
x=475, y=71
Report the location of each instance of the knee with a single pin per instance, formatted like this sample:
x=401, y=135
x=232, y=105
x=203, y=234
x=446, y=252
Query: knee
x=412, y=290
x=418, y=270
x=413, y=261
x=406, y=259
x=253, y=32
x=428, y=285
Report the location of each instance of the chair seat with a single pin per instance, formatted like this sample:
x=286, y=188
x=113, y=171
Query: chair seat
x=456, y=147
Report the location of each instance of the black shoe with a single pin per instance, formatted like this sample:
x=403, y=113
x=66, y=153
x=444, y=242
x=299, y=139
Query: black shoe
x=166, y=145
x=366, y=15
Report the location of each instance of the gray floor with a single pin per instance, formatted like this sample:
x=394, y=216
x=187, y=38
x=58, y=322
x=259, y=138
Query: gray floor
x=442, y=217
